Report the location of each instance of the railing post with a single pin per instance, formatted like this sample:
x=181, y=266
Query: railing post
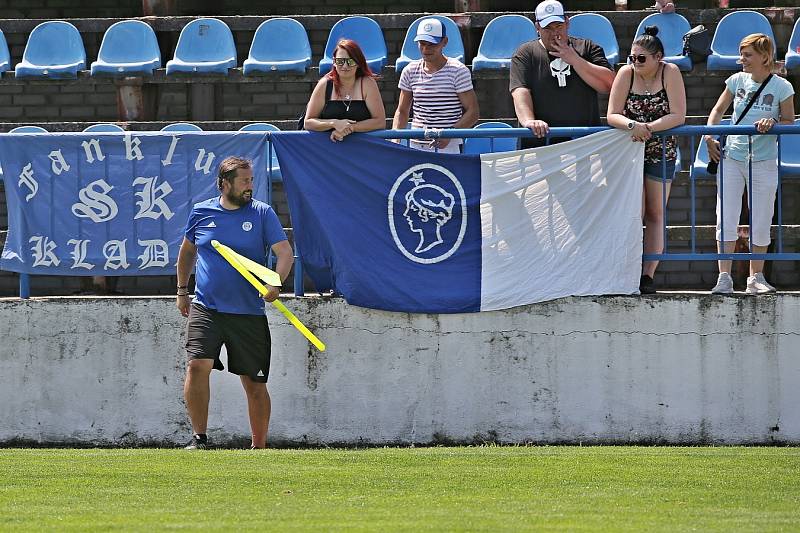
x=24, y=286
x=299, y=290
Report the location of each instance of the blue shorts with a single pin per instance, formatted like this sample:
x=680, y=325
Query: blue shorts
x=652, y=171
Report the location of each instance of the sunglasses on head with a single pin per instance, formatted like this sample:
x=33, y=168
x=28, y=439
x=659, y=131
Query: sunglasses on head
x=342, y=61
x=641, y=58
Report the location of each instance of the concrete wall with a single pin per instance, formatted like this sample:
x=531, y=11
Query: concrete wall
x=668, y=369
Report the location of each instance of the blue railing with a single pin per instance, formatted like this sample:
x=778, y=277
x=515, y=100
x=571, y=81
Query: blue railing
x=692, y=132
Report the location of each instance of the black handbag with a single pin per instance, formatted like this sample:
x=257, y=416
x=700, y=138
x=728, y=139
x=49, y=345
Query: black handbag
x=697, y=44
x=711, y=168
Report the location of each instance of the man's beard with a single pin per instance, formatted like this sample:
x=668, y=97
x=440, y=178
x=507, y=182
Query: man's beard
x=241, y=199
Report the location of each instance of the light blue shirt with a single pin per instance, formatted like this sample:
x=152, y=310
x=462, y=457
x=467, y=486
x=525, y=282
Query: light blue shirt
x=742, y=87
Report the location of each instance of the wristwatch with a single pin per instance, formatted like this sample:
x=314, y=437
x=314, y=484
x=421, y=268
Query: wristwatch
x=631, y=124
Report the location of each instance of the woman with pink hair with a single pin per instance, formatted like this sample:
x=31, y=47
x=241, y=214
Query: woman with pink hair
x=347, y=99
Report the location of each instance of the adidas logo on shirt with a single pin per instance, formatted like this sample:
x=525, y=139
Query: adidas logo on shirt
x=260, y=374
x=212, y=225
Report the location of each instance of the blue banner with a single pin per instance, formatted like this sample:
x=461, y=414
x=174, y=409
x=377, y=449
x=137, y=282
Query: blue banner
x=386, y=226
x=86, y=204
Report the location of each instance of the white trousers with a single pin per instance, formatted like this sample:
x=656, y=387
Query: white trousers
x=735, y=180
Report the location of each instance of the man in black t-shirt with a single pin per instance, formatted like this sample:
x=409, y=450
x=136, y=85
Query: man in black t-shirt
x=555, y=79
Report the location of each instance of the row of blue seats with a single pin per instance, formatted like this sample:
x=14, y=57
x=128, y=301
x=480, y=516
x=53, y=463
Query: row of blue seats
x=790, y=144
x=206, y=45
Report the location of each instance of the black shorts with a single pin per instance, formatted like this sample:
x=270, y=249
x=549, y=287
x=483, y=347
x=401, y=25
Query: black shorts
x=246, y=339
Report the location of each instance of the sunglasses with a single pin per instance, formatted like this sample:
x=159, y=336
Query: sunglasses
x=641, y=58
x=342, y=61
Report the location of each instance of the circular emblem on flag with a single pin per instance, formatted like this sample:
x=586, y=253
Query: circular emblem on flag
x=427, y=210
x=247, y=226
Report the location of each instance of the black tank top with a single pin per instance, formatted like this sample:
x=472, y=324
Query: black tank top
x=340, y=109
x=647, y=108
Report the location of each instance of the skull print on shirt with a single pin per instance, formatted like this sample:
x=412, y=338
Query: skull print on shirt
x=560, y=70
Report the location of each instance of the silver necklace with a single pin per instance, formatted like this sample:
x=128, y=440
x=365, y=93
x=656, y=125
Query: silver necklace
x=347, y=98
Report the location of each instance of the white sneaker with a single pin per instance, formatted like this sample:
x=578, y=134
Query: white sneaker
x=758, y=285
x=724, y=284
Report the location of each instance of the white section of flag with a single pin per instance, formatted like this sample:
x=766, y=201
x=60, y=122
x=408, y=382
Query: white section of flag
x=561, y=220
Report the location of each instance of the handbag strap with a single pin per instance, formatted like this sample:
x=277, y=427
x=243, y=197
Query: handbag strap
x=753, y=99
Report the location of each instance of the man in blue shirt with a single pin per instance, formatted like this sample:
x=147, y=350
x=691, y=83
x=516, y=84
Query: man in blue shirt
x=226, y=309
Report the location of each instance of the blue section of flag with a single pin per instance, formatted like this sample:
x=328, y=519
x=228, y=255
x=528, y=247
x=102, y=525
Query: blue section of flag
x=386, y=226
x=120, y=210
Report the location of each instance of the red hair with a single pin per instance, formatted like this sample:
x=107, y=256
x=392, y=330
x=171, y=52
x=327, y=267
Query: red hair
x=352, y=48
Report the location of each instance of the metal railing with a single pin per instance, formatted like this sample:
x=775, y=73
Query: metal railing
x=690, y=132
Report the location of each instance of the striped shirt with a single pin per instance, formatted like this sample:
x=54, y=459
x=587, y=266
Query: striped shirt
x=435, y=102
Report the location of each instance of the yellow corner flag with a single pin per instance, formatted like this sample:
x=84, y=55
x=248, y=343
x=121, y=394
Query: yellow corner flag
x=247, y=268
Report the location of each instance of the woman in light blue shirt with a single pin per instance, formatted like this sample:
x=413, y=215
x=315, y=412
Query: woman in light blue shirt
x=775, y=105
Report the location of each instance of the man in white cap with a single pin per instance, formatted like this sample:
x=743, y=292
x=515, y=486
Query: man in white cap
x=555, y=80
x=437, y=88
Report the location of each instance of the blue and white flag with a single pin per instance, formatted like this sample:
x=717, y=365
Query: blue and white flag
x=399, y=229
x=86, y=204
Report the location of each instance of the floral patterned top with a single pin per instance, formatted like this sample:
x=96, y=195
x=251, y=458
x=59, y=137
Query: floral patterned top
x=647, y=108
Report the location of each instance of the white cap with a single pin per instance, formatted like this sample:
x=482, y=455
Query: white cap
x=430, y=30
x=549, y=11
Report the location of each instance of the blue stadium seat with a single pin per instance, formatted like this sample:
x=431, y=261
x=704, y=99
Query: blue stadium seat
x=280, y=44
x=698, y=168
x=363, y=30
x=104, y=127
x=24, y=129
x=793, y=53
x=205, y=45
x=181, y=126
x=265, y=126
x=487, y=145
x=28, y=129
x=54, y=50
x=671, y=29
x=730, y=31
x=790, y=154
x=410, y=51
x=129, y=47
x=5, y=57
x=501, y=38
x=597, y=29
x=260, y=126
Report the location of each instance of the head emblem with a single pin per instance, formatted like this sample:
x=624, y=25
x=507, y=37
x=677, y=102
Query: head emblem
x=427, y=213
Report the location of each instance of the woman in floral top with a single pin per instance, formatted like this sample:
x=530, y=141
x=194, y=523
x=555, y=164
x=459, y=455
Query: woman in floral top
x=648, y=96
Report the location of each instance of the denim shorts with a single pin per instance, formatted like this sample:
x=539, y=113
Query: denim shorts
x=653, y=171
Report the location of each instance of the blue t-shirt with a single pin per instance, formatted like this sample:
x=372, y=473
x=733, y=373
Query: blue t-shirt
x=742, y=87
x=249, y=231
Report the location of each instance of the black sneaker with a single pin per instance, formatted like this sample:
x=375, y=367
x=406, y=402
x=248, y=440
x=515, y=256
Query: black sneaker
x=198, y=442
x=646, y=285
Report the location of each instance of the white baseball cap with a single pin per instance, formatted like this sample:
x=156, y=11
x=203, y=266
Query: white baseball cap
x=430, y=30
x=549, y=11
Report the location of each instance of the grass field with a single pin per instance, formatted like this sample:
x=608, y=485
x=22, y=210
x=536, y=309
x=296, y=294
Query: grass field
x=401, y=489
